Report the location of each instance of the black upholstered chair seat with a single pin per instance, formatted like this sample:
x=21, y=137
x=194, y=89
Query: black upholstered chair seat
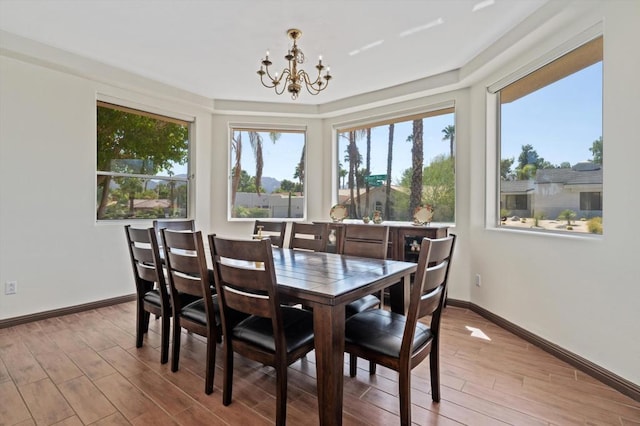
x=153, y=297
x=364, y=303
x=381, y=331
x=195, y=311
x=297, y=324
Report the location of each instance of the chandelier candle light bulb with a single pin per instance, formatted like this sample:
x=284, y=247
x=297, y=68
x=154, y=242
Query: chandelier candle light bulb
x=292, y=76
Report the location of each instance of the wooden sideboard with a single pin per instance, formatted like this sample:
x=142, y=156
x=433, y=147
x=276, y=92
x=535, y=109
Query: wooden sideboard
x=402, y=236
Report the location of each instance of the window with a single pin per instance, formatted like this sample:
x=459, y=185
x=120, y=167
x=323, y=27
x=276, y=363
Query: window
x=142, y=164
x=397, y=165
x=516, y=202
x=266, y=170
x=590, y=201
x=550, y=143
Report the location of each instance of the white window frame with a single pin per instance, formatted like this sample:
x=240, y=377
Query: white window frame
x=493, y=140
x=265, y=127
x=137, y=108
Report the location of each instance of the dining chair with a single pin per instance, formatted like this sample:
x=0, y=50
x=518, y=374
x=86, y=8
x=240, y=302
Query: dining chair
x=152, y=296
x=308, y=236
x=364, y=241
x=187, y=272
x=274, y=230
x=273, y=335
x=402, y=342
x=174, y=225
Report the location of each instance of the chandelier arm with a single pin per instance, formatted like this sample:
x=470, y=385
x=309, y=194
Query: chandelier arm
x=314, y=87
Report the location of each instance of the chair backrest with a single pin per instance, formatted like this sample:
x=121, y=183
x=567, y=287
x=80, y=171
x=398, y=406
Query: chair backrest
x=429, y=286
x=246, y=282
x=174, y=225
x=145, y=260
x=274, y=230
x=186, y=263
x=365, y=241
x=308, y=236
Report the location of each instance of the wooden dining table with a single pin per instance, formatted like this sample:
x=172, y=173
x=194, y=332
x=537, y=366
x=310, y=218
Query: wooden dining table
x=327, y=282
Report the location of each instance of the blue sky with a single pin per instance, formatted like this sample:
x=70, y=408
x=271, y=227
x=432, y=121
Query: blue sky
x=560, y=121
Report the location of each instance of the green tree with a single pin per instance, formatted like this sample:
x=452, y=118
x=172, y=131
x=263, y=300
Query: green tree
x=596, y=150
x=417, y=161
x=505, y=168
x=388, y=202
x=367, y=172
x=527, y=172
x=439, y=183
x=439, y=187
x=567, y=215
x=256, y=142
x=236, y=171
x=342, y=173
x=299, y=173
x=155, y=144
x=248, y=183
x=449, y=135
x=529, y=162
x=289, y=186
x=353, y=157
x=528, y=156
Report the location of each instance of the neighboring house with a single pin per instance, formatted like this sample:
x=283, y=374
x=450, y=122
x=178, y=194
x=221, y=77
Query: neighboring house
x=578, y=188
x=516, y=196
x=377, y=199
x=276, y=203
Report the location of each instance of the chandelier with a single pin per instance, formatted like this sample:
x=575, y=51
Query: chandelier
x=292, y=78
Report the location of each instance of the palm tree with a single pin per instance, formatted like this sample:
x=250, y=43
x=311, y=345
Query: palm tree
x=367, y=173
x=342, y=173
x=417, y=162
x=236, y=171
x=255, y=140
x=353, y=157
x=299, y=173
x=256, y=144
x=450, y=135
x=387, y=204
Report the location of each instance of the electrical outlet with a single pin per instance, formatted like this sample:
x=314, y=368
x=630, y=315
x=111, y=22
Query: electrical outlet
x=11, y=287
x=478, y=280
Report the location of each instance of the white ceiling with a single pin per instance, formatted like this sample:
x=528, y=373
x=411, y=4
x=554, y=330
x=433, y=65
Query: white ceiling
x=213, y=48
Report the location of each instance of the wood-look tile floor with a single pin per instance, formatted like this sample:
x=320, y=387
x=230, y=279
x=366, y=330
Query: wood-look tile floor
x=85, y=369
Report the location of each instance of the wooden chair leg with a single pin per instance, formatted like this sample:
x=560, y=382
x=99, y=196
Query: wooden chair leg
x=139, y=326
x=211, y=365
x=227, y=384
x=164, y=345
x=404, y=385
x=281, y=394
x=434, y=371
x=175, y=354
x=372, y=368
x=353, y=365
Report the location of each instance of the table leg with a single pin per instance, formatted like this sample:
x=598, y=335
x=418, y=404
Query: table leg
x=399, y=295
x=328, y=325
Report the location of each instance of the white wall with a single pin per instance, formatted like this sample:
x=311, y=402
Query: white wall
x=582, y=294
x=49, y=239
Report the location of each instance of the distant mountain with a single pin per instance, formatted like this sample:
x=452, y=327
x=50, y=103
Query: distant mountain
x=152, y=184
x=270, y=184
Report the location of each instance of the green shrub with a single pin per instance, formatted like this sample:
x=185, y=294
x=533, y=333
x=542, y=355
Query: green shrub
x=567, y=215
x=537, y=216
x=594, y=225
